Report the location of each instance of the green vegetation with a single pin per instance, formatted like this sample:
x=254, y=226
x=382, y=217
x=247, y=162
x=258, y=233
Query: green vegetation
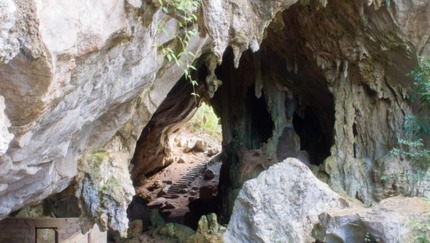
x=369, y=238
x=206, y=121
x=415, y=150
x=110, y=189
x=184, y=12
x=419, y=125
x=421, y=230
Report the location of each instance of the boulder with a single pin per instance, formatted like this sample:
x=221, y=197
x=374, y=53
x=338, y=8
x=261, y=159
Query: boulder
x=396, y=219
x=287, y=203
x=209, y=231
x=209, y=174
x=200, y=146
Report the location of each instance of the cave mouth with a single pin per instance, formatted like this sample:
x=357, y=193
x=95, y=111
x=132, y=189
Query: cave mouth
x=261, y=125
x=177, y=160
x=313, y=139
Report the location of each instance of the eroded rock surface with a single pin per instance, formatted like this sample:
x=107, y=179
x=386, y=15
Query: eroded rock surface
x=287, y=203
x=321, y=79
x=328, y=81
x=5, y=136
x=76, y=77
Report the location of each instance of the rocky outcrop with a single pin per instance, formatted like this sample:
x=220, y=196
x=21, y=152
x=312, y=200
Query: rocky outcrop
x=5, y=135
x=319, y=80
x=287, y=203
x=328, y=81
x=76, y=77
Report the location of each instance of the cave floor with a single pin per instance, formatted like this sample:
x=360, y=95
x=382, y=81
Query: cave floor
x=175, y=186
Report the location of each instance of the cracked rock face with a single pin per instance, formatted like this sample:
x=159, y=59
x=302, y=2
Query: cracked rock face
x=75, y=77
x=80, y=76
x=287, y=203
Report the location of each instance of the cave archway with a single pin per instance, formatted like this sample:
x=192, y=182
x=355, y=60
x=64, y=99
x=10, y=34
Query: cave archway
x=175, y=168
x=298, y=107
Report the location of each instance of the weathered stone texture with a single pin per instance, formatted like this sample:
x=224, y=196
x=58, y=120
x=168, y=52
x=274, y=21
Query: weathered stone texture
x=5, y=136
x=287, y=203
x=76, y=75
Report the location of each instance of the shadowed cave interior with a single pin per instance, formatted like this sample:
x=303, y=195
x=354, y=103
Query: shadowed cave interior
x=275, y=105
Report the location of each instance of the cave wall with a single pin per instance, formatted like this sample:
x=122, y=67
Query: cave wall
x=75, y=78
x=153, y=147
x=333, y=78
x=79, y=76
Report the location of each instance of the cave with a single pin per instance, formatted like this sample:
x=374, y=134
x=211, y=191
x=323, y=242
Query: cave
x=163, y=186
x=275, y=104
x=320, y=81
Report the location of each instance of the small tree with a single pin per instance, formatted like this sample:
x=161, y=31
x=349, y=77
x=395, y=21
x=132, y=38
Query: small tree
x=419, y=124
x=415, y=150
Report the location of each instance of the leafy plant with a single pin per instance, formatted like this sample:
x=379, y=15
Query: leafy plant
x=205, y=120
x=421, y=230
x=414, y=150
x=418, y=125
x=184, y=11
x=369, y=238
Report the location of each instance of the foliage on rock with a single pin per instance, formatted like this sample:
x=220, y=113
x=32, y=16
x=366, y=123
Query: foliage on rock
x=205, y=120
x=103, y=187
x=419, y=125
x=184, y=12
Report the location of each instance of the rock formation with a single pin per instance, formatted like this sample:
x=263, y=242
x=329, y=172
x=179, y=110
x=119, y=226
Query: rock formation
x=287, y=203
x=320, y=80
x=76, y=77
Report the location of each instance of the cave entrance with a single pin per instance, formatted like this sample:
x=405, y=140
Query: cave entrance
x=313, y=139
x=177, y=161
x=275, y=104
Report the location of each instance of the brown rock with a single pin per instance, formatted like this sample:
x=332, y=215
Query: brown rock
x=209, y=174
x=163, y=191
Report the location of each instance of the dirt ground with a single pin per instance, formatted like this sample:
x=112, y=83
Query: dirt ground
x=175, y=186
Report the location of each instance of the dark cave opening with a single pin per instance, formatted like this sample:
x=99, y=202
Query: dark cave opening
x=277, y=97
x=313, y=138
x=174, y=158
x=261, y=125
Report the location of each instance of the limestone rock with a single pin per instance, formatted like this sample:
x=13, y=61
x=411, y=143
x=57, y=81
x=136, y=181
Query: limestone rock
x=5, y=136
x=212, y=151
x=392, y=220
x=209, y=231
x=191, y=143
x=287, y=203
x=163, y=191
x=75, y=78
x=105, y=190
x=287, y=192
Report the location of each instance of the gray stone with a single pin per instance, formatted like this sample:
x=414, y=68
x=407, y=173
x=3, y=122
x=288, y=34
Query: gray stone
x=5, y=136
x=287, y=203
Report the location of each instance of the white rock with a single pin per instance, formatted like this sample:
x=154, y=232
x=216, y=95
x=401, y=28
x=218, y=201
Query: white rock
x=5, y=136
x=281, y=205
x=8, y=44
x=286, y=203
